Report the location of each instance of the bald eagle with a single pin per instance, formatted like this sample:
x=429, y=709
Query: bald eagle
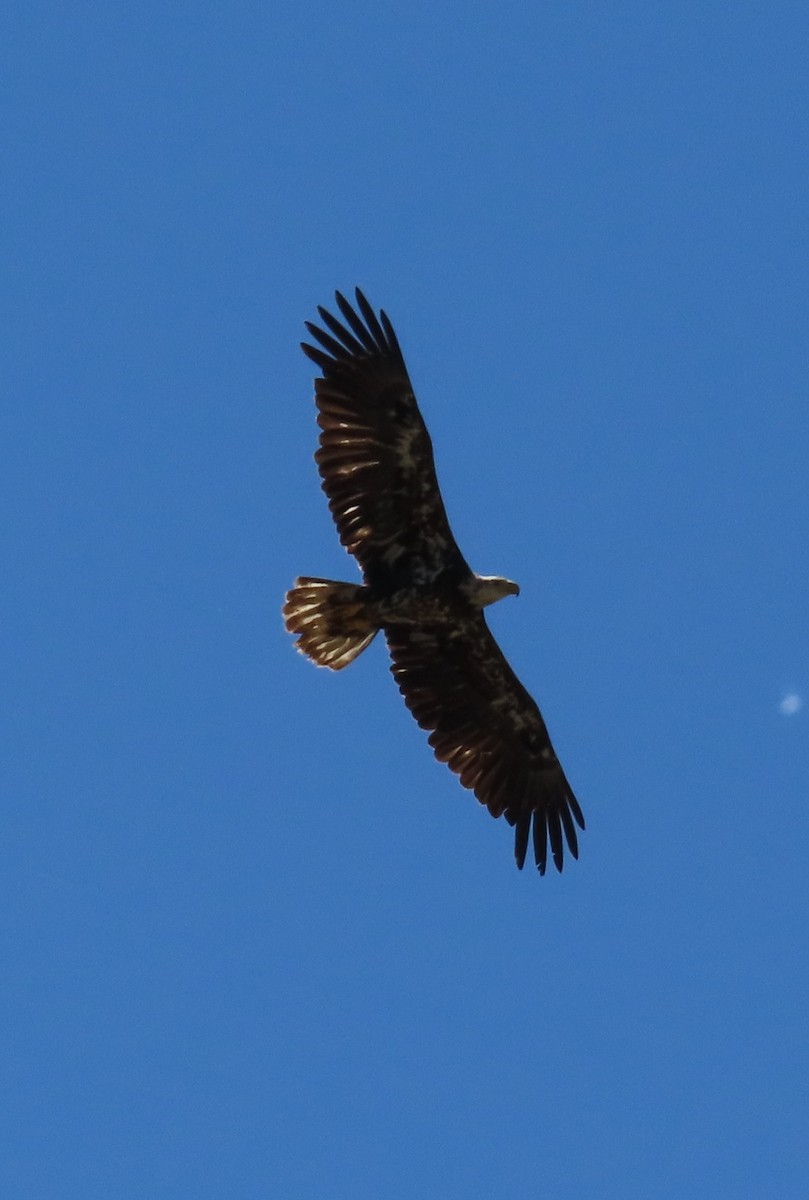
x=376, y=464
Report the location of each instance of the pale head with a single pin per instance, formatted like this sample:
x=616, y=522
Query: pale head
x=486, y=589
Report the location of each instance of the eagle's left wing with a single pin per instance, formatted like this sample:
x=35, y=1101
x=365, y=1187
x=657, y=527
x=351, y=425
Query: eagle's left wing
x=486, y=727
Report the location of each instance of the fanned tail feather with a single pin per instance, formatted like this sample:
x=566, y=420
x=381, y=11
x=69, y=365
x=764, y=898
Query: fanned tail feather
x=331, y=620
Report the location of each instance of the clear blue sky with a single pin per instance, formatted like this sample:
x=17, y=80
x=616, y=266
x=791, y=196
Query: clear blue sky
x=255, y=941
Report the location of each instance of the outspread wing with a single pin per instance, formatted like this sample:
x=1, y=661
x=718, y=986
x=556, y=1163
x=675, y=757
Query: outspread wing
x=375, y=456
x=487, y=729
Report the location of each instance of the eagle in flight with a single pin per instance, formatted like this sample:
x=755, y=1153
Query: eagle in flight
x=376, y=464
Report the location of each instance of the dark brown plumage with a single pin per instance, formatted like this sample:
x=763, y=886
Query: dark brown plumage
x=376, y=464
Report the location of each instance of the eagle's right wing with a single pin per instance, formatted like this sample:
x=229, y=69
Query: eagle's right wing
x=375, y=456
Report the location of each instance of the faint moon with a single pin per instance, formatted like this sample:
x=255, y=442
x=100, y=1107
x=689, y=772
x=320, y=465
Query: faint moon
x=791, y=704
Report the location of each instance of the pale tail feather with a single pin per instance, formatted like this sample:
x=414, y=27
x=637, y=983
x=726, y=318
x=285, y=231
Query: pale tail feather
x=330, y=620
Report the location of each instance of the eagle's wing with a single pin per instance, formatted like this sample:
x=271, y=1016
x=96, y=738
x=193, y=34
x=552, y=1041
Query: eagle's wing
x=487, y=729
x=375, y=456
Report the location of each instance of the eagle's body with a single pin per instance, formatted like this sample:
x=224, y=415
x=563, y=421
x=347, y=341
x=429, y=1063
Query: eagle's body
x=376, y=463
x=440, y=601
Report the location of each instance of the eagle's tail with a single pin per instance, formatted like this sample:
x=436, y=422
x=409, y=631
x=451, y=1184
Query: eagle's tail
x=332, y=620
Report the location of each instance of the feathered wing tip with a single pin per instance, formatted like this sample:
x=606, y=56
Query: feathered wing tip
x=330, y=620
x=361, y=337
x=551, y=823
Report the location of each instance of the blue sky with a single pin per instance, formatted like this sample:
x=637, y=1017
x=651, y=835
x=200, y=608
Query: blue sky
x=255, y=941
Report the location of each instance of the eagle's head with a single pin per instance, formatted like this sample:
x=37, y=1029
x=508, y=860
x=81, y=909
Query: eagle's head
x=488, y=588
